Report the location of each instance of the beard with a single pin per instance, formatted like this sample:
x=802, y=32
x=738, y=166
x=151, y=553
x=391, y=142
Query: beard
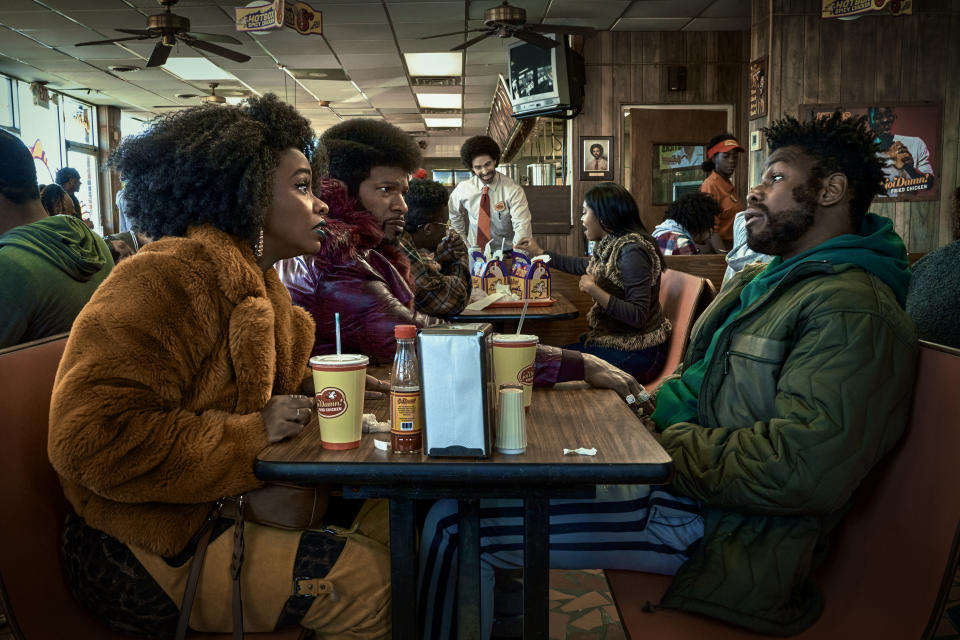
x=782, y=230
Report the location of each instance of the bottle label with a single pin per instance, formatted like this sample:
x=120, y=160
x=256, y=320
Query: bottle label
x=331, y=402
x=405, y=412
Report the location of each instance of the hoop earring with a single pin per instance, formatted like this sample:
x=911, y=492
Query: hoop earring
x=258, y=248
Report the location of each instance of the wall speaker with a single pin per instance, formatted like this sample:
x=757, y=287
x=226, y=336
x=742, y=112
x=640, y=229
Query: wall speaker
x=676, y=78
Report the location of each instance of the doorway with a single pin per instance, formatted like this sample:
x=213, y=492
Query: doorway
x=666, y=148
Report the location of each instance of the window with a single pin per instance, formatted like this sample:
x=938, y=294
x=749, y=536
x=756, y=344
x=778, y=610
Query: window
x=85, y=162
x=40, y=131
x=8, y=110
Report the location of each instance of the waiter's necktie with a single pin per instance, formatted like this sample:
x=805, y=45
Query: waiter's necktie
x=483, y=220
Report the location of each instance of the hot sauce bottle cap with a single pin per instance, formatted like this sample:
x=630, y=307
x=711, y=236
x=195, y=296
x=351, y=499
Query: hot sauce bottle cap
x=405, y=331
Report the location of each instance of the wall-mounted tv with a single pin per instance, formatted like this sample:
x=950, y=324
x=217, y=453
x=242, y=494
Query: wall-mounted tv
x=544, y=81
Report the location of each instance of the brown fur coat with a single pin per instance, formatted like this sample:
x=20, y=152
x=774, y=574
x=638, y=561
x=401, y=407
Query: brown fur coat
x=156, y=405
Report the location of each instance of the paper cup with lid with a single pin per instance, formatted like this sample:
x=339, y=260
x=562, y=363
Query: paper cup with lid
x=339, y=382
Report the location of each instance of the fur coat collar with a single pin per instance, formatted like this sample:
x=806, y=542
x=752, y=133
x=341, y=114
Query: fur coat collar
x=352, y=231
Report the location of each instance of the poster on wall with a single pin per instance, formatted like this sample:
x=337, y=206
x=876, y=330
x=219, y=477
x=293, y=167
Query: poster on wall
x=909, y=136
x=679, y=156
x=845, y=9
x=758, y=88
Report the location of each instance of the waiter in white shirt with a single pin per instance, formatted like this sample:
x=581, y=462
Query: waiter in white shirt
x=489, y=207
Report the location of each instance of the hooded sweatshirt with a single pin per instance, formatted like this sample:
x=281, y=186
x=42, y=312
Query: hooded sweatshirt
x=48, y=271
x=876, y=248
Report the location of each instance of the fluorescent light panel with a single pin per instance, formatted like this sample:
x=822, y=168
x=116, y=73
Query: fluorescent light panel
x=197, y=69
x=440, y=100
x=444, y=122
x=449, y=63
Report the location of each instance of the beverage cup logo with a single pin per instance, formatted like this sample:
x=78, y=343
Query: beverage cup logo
x=525, y=375
x=331, y=402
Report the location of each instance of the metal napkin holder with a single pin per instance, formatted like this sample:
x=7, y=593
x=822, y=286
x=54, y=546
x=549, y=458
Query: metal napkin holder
x=457, y=384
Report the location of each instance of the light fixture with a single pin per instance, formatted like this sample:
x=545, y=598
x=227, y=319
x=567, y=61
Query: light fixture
x=449, y=63
x=444, y=122
x=197, y=69
x=440, y=100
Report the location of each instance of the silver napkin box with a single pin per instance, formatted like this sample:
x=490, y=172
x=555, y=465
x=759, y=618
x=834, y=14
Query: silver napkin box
x=456, y=365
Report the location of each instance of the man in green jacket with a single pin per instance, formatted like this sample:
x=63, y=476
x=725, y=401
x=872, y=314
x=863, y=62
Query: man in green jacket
x=797, y=381
x=49, y=265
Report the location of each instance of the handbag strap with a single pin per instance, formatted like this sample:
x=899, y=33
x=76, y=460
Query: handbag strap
x=235, y=565
x=193, y=579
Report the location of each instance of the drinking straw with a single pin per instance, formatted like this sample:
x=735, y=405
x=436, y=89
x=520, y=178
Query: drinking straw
x=523, y=314
x=502, y=243
x=336, y=320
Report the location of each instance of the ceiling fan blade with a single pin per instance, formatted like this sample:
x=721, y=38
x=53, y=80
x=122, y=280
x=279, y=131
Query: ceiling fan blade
x=86, y=44
x=452, y=33
x=236, y=56
x=560, y=28
x=159, y=56
x=212, y=37
x=136, y=32
x=535, y=39
x=472, y=41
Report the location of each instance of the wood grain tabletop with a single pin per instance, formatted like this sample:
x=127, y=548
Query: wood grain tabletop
x=561, y=309
x=559, y=418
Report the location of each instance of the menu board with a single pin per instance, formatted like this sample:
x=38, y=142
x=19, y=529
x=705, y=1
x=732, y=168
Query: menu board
x=502, y=123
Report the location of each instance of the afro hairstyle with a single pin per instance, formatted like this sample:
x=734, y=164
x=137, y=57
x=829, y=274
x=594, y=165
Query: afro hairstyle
x=836, y=145
x=51, y=196
x=707, y=165
x=357, y=146
x=426, y=202
x=695, y=212
x=211, y=164
x=18, y=175
x=479, y=146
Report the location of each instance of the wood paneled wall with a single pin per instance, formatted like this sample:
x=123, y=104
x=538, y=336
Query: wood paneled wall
x=875, y=59
x=631, y=68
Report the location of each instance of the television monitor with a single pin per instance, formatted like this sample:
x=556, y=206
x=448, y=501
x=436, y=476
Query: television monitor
x=544, y=81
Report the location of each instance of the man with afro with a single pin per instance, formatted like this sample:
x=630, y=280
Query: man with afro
x=49, y=265
x=796, y=383
x=361, y=272
x=687, y=222
x=438, y=256
x=489, y=207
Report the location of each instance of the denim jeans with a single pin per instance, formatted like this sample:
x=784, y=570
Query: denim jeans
x=644, y=365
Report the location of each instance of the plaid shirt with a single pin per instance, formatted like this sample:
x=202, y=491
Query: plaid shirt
x=442, y=288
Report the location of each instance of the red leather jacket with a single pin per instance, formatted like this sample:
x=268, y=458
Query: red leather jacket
x=369, y=284
x=356, y=275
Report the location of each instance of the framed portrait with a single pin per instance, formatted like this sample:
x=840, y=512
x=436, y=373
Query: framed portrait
x=908, y=135
x=596, y=157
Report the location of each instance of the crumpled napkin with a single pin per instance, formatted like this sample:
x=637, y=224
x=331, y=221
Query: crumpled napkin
x=371, y=425
x=583, y=451
x=504, y=289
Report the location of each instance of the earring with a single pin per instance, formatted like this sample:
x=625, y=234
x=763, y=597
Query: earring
x=258, y=248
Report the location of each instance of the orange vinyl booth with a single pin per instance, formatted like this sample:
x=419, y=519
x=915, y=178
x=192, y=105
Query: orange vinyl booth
x=893, y=559
x=33, y=592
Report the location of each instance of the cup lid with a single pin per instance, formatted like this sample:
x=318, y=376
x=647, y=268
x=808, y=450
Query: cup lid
x=343, y=360
x=514, y=337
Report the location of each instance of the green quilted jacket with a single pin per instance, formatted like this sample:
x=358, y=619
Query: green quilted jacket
x=807, y=389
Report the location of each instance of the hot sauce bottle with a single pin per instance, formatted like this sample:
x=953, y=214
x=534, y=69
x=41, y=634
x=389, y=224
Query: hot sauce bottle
x=406, y=412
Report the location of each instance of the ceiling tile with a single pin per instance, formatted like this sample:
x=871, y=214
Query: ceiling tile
x=367, y=61
x=427, y=13
x=718, y=24
x=280, y=44
x=309, y=61
x=666, y=8
x=727, y=9
x=368, y=13
x=70, y=5
x=650, y=24
x=609, y=9
x=341, y=47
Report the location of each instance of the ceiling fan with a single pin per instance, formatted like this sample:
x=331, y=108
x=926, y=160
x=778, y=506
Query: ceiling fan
x=206, y=98
x=170, y=27
x=508, y=21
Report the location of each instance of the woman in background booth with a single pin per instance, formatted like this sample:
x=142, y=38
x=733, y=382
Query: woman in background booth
x=184, y=365
x=627, y=327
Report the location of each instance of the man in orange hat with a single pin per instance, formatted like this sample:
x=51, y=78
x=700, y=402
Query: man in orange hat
x=723, y=154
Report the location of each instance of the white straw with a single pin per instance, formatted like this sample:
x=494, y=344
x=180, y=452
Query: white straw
x=523, y=314
x=502, y=243
x=336, y=320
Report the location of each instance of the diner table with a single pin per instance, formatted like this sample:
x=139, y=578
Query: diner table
x=570, y=415
x=561, y=309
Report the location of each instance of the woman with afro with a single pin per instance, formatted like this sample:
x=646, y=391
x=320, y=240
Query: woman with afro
x=184, y=364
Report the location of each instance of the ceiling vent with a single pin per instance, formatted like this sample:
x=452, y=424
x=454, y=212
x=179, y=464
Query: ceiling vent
x=121, y=68
x=441, y=112
x=436, y=81
x=319, y=74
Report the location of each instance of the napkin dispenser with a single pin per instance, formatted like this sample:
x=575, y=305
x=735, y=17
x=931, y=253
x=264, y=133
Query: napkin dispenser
x=457, y=387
